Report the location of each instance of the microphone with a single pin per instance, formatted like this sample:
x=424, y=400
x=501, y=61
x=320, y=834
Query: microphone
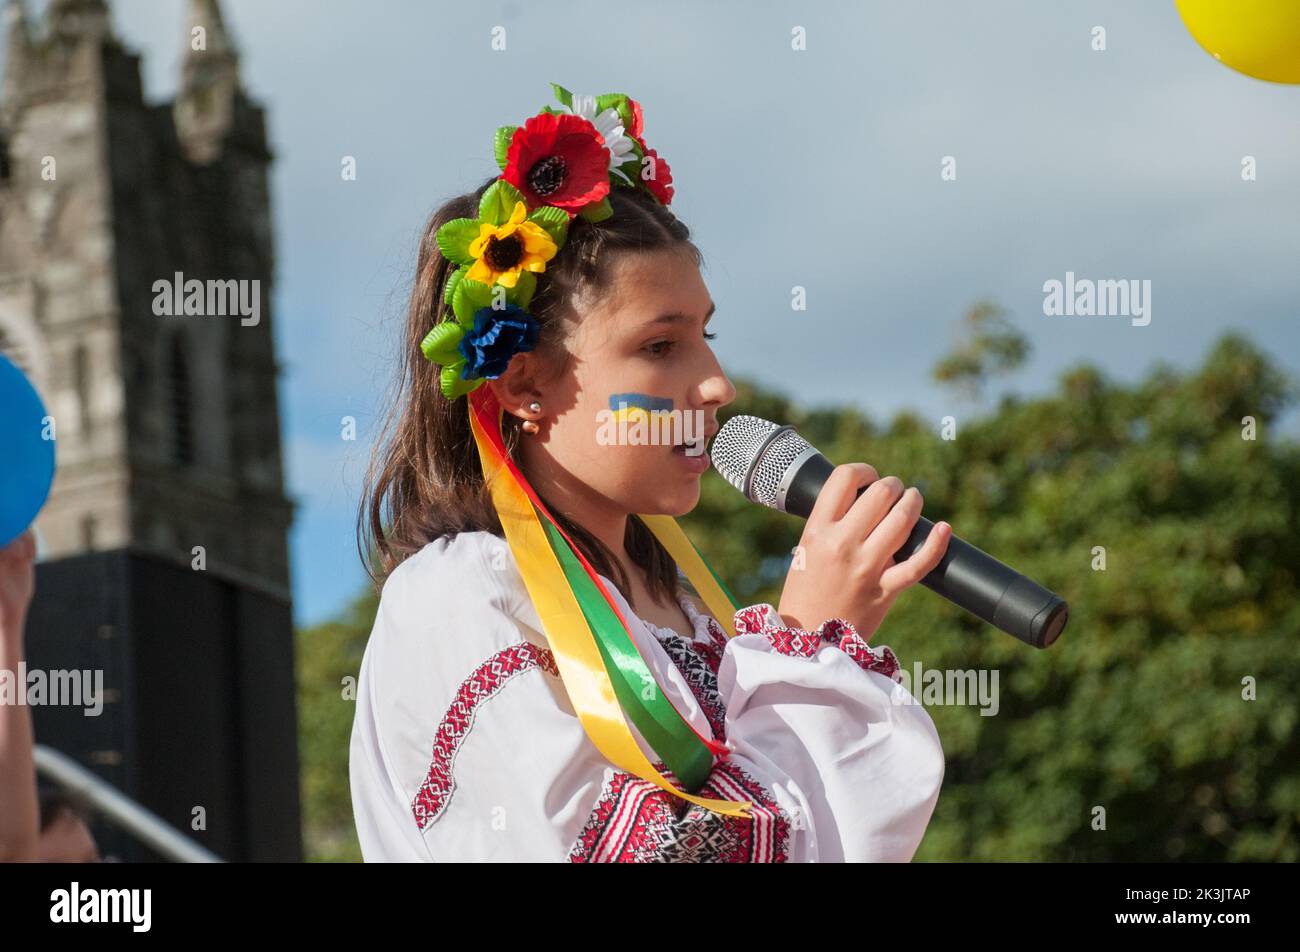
x=775, y=467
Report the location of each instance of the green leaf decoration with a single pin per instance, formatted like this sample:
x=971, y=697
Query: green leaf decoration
x=631, y=168
x=469, y=298
x=501, y=146
x=625, y=113
x=453, y=384
x=454, y=238
x=498, y=202
x=597, y=211
x=563, y=95
x=455, y=279
x=440, y=344
x=522, y=292
x=620, y=103
x=554, y=221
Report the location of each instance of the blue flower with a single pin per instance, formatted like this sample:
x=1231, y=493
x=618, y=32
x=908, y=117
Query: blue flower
x=497, y=335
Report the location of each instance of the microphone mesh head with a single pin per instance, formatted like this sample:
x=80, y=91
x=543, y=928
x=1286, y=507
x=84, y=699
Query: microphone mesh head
x=745, y=448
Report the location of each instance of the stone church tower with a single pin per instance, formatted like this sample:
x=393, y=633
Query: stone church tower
x=164, y=541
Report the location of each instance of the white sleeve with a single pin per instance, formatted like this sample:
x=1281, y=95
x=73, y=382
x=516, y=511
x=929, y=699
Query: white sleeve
x=455, y=752
x=465, y=746
x=829, y=714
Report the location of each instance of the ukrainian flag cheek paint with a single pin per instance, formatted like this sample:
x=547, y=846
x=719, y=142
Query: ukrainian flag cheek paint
x=631, y=407
x=639, y=419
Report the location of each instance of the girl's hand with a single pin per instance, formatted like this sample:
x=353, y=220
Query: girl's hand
x=847, y=568
x=17, y=580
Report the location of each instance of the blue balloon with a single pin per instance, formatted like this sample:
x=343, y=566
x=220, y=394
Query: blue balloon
x=26, y=456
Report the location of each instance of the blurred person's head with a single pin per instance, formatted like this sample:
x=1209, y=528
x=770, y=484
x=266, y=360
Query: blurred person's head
x=65, y=831
x=595, y=304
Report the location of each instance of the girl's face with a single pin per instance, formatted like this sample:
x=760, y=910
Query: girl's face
x=640, y=353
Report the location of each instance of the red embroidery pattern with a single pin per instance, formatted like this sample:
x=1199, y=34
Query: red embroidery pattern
x=764, y=619
x=712, y=650
x=487, y=680
x=634, y=821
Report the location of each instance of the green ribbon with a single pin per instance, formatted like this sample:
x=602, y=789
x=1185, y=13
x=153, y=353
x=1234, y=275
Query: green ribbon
x=663, y=727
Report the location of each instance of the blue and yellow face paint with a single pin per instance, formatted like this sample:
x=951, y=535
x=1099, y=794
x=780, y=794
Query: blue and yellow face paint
x=638, y=419
x=630, y=407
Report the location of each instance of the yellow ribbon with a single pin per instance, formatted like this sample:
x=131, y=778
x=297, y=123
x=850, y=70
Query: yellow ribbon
x=570, y=637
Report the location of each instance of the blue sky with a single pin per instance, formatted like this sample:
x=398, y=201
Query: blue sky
x=818, y=168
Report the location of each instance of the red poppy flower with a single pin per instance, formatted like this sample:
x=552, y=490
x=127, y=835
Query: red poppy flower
x=661, y=186
x=558, y=159
x=636, y=131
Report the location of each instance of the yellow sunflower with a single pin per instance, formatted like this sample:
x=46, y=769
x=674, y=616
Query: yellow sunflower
x=500, y=252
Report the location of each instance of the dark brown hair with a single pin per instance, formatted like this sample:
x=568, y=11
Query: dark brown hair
x=425, y=479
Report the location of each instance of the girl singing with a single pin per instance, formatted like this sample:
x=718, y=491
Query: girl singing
x=529, y=596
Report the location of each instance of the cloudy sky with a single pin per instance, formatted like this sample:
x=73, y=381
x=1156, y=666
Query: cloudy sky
x=819, y=168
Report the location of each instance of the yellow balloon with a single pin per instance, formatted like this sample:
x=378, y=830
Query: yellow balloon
x=1260, y=38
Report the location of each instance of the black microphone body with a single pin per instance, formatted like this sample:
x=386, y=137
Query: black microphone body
x=773, y=466
x=967, y=576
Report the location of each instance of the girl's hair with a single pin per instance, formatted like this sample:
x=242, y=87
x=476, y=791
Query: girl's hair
x=425, y=478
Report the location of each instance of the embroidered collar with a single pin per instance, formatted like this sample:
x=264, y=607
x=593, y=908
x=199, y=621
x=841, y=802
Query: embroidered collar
x=705, y=627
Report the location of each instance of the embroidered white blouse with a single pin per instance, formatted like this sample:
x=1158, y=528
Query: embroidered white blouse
x=465, y=747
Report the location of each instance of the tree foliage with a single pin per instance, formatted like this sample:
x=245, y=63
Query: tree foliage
x=328, y=666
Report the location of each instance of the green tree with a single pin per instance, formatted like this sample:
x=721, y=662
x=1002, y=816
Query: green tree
x=328, y=664
x=989, y=346
x=1138, y=709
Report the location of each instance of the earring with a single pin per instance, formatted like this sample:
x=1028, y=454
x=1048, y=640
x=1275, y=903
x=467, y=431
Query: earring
x=529, y=426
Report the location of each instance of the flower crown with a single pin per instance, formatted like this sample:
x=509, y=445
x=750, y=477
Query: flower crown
x=557, y=165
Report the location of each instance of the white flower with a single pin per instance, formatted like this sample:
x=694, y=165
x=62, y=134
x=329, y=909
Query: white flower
x=610, y=126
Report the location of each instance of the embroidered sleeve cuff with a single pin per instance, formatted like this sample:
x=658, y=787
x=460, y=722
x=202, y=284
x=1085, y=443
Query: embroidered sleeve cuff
x=765, y=620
